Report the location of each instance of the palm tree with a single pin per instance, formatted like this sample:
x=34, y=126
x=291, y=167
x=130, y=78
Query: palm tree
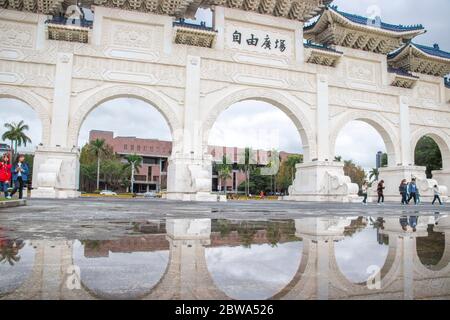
x=135, y=163
x=15, y=132
x=98, y=148
x=223, y=172
x=246, y=166
x=373, y=174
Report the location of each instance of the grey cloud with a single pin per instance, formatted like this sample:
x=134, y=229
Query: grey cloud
x=126, y=117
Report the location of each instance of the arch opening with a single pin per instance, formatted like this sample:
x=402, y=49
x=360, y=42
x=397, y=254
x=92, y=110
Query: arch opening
x=258, y=261
x=16, y=264
x=431, y=249
x=133, y=130
x=364, y=249
x=364, y=145
x=262, y=130
x=121, y=269
x=432, y=152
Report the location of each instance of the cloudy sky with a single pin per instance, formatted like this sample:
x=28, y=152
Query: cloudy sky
x=251, y=123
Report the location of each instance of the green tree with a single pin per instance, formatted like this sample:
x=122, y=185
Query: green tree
x=257, y=182
x=246, y=166
x=15, y=132
x=98, y=148
x=384, y=160
x=134, y=163
x=114, y=173
x=374, y=174
x=287, y=170
x=223, y=171
x=428, y=154
x=355, y=172
x=88, y=173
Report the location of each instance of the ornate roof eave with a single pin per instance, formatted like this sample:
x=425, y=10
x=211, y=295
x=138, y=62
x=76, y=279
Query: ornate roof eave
x=331, y=17
x=38, y=6
x=413, y=59
x=412, y=49
x=194, y=35
x=325, y=56
x=67, y=33
x=301, y=10
x=401, y=78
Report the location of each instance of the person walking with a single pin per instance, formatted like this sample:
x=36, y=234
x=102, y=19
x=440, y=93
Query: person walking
x=20, y=173
x=5, y=175
x=403, y=189
x=364, y=190
x=413, y=191
x=437, y=195
x=380, y=192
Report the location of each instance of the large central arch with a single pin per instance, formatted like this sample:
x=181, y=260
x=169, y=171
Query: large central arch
x=275, y=98
x=124, y=91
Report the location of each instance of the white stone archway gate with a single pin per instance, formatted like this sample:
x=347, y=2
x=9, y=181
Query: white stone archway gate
x=190, y=81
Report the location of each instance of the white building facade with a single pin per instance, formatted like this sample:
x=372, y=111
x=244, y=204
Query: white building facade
x=64, y=66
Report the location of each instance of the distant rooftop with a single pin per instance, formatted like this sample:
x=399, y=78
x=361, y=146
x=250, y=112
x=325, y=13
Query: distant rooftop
x=377, y=21
x=432, y=51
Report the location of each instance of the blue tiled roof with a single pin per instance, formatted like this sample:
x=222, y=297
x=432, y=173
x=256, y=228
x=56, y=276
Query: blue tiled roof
x=433, y=51
x=401, y=72
x=63, y=21
x=366, y=21
x=310, y=44
x=201, y=26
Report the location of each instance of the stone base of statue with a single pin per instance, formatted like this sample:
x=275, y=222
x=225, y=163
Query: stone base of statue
x=322, y=181
x=56, y=173
x=392, y=177
x=190, y=179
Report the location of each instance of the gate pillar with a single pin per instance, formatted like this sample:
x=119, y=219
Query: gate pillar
x=56, y=166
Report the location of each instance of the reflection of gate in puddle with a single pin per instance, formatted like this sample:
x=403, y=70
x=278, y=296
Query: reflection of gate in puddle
x=318, y=275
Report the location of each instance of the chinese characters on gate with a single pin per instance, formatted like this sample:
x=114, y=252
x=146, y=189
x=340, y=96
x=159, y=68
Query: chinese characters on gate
x=266, y=42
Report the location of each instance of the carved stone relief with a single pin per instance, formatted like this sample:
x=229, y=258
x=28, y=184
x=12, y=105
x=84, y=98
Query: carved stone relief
x=256, y=75
x=17, y=35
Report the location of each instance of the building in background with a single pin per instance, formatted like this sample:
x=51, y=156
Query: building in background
x=379, y=159
x=4, y=148
x=155, y=153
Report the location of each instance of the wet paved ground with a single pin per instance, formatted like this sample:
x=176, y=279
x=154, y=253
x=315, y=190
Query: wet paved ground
x=158, y=249
x=99, y=215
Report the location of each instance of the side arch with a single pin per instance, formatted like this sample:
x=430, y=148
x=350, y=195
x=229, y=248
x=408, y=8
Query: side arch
x=35, y=103
x=379, y=123
x=277, y=99
x=439, y=136
x=124, y=91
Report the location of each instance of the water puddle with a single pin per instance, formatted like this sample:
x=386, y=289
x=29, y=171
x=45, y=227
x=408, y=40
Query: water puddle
x=390, y=257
